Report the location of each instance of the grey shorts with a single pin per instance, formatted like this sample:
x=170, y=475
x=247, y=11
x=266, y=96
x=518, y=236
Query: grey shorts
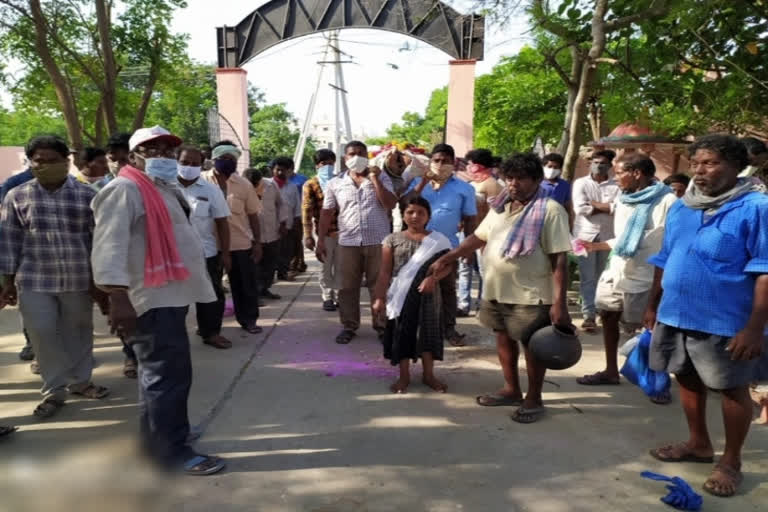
x=685, y=352
x=518, y=321
x=631, y=305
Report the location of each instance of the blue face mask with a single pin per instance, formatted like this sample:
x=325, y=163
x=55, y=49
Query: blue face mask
x=325, y=174
x=165, y=169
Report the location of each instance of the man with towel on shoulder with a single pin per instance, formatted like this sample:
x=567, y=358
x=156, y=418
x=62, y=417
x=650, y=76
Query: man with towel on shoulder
x=148, y=257
x=526, y=240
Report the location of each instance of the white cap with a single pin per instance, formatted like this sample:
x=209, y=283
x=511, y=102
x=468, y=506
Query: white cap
x=143, y=135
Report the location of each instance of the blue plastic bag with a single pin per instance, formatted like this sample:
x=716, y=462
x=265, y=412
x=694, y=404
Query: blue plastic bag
x=681, y=496
x=637, y=371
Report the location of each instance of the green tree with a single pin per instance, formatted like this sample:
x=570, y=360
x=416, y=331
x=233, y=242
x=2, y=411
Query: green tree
x=520, y=99
x=274, y=133
x=97, y=69
x=425, y=130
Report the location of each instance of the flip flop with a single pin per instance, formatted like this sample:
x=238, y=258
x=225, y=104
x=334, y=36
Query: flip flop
x=497, y=400
x=685, y=457
x=345, y=336
x=715, y=480
x=527, y=416
x=201, y=465
x=663, y=398
x=5, y=430
x=597, y=379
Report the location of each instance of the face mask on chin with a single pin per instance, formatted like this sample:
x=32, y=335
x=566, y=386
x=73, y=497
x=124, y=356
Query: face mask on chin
x=114, y=168
x=357, y=164
x=440, y=173
x=51, y=174
x=551, y=173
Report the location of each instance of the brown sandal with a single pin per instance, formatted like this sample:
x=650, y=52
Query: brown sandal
x=218, y=341
x=93, y=392
x=679, y=452
x=130, y=369
x=48, y=408
x=723, y=477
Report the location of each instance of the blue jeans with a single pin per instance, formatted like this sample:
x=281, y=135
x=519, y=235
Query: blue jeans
x=161, y=345
x=466, y=274
x=590, y=269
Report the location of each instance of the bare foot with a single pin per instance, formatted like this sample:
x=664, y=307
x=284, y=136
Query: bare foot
x=435, y=384
x=763, y=419
x=400, y=386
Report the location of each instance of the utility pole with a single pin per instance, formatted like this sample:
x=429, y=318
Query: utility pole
x=341, y=108
x=307, y=126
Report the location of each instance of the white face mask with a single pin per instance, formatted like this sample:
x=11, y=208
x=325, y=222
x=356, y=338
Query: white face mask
x=357, y=164
x=551, y=173
x=189, y=172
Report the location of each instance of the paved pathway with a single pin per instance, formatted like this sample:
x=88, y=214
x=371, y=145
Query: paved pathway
x=308, y=425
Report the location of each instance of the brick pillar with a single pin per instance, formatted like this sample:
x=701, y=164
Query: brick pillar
x=461, y=106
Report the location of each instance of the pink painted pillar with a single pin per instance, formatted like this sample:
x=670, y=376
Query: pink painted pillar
x=232, y=95
x=461, y=106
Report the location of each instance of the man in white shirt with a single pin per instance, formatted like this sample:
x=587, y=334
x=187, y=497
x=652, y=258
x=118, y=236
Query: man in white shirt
x=151, y=315
x=593, y=198
x=624, y=286
x=363, y=196
x=209, y=217
x=273, y=220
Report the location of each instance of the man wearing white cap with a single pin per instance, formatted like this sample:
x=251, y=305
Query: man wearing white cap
x=149, y=258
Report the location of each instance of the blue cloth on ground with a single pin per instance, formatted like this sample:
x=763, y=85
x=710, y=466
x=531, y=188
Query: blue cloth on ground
x=681, y=496
x=637, y=371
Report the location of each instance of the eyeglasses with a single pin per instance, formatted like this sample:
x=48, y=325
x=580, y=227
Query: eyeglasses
x=155, y=152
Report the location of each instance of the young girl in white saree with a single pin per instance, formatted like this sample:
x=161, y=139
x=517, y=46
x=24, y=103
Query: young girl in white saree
x=406, y=292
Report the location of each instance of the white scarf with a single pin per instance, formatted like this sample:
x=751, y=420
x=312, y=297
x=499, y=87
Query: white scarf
x=398, y=290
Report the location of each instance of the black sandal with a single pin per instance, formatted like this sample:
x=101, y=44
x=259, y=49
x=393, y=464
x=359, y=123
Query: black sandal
x=7, y=429
x=345, y=336
x=48, y=408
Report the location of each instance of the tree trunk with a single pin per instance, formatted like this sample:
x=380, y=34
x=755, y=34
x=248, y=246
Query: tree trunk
x=146, y=97
x=577, y=63
x=63, y=92
x=562, y=146
x=588, y=72
x=109, y=98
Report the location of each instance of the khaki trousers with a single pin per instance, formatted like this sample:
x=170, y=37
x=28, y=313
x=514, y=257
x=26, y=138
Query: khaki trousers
x=351, y=264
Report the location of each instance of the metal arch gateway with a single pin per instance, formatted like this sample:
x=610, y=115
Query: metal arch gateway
x=460, y=36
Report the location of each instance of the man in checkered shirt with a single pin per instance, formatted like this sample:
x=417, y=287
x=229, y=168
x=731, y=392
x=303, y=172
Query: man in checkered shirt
x=364, y=197
x=45, y=249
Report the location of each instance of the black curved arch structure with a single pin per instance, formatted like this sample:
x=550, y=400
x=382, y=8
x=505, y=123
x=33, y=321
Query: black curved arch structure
x=460, y=36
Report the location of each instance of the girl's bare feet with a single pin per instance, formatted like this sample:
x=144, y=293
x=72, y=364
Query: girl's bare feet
x=434, y=383
x=400, y=386
x=763, y=419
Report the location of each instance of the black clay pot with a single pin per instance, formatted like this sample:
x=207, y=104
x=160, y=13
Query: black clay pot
x=556, y=347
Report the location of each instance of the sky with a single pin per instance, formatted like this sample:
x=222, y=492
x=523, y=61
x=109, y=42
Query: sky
x=378, y=94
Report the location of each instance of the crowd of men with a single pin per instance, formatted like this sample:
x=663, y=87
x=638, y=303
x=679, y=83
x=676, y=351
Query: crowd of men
x=658, y=254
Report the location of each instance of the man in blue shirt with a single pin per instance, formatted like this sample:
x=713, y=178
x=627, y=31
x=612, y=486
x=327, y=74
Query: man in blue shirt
x=27, y=353
x=710, y=297
x=453, y=203
x=297, y=262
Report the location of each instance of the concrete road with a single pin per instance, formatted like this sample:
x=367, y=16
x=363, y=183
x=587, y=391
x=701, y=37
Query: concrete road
x=308, y=425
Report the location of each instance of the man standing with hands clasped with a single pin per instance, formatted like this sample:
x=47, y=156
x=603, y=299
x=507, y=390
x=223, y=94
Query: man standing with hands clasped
x=710, y=297
x=244, y=233
x=364, y=198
